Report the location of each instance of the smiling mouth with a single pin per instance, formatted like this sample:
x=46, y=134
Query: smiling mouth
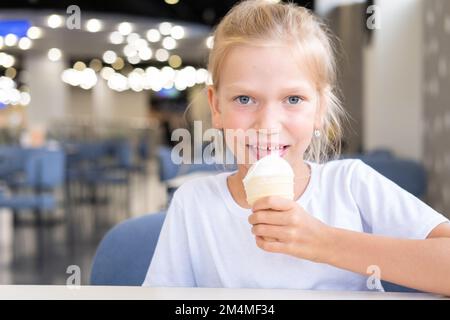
x=261, y=151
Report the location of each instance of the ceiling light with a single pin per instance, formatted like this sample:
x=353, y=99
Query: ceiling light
x=165, y=28
x=177, y=32
x=54, y=54
x=94, y=25
x=153, y=35
x=175, y=61
x=162, y=55
x=25, y=43
x=169, y=43
x=10, y=40
x=54, y=21
x=109, y=56
x=132, y=37
x=34, y=32
x=125, y=28
x=116, y=37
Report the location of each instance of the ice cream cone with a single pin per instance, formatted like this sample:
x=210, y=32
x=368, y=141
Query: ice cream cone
x=269, y=176
x=264, y=186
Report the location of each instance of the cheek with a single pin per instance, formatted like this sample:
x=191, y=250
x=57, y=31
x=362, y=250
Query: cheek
x=300, y=125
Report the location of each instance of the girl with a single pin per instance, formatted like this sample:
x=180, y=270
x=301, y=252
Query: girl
x=273, y=70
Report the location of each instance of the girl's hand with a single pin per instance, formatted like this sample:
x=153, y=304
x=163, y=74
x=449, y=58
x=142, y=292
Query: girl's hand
x=281, y=225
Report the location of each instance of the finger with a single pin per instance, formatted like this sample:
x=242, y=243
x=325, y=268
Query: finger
x=278, y=218
x=270, y=246
x=270, y=231
x=274, y=203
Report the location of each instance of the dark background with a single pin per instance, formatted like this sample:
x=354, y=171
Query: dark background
x=200, y=11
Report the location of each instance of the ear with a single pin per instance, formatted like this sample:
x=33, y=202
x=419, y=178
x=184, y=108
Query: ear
x=213, y=101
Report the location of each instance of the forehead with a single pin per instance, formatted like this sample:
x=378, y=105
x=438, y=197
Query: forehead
x=265, y=66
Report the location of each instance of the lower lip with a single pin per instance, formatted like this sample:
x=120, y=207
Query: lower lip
x=262, y=153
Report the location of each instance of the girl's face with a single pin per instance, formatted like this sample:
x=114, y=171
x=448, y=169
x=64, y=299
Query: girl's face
x=264, y=89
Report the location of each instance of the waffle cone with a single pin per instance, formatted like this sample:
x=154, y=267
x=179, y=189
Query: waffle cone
x=259, y=187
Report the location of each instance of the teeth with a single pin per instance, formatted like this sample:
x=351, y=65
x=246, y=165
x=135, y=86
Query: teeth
x=266, y=148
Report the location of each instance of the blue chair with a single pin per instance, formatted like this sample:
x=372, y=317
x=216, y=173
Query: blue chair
x=124, y=254
x=11, y=163
x=32, y=168
x=95, y=169
x=167, y=168
x=44, y=202
x=40, y=170
x=143, y=147
x=46, y=169
x=371, y=155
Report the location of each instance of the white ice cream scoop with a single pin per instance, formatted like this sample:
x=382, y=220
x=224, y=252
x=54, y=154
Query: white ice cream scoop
x=269, y=176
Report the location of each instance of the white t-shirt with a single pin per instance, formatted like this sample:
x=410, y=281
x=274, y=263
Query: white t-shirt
x=206, y=239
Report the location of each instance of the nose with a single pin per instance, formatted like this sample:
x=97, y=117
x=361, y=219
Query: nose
x=268, y=120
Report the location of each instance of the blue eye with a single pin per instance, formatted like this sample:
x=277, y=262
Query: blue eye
x=294, y=99
x=243, y=99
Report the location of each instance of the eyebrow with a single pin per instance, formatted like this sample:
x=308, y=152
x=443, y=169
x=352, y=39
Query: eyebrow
x=243, y=86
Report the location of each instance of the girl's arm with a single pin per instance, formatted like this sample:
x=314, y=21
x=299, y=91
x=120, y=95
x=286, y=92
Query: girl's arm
x=419, y=264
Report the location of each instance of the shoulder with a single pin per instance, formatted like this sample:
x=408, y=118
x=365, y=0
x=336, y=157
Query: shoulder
x=343, y=167
x=196, y=199
x=344, y=173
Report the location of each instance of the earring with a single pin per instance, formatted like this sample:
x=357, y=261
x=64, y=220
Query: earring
x=317, y=133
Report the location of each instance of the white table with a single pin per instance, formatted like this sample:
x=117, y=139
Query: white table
x=140, y=293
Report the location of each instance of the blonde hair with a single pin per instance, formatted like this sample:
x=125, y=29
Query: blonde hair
x=265, y=21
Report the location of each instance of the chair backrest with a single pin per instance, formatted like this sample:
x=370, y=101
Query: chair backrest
x=124, y=254
x=45, y=169
x=121, y=151
x=167, y=169
x=11, y=160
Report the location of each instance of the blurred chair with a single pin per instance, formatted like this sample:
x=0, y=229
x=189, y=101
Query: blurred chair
x=373, y=155
x=46, y=169
x=95, y=170
x=143, y=147
x=11, y=163
x=167, y=168
x=31, y=175
x=124, y=254
x=40, y=168
x=41, y=203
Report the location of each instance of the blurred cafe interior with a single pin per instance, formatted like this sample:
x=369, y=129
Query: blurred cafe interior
x=90, y=92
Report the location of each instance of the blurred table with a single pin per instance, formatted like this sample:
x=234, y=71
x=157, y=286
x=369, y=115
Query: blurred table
x=145, y=293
